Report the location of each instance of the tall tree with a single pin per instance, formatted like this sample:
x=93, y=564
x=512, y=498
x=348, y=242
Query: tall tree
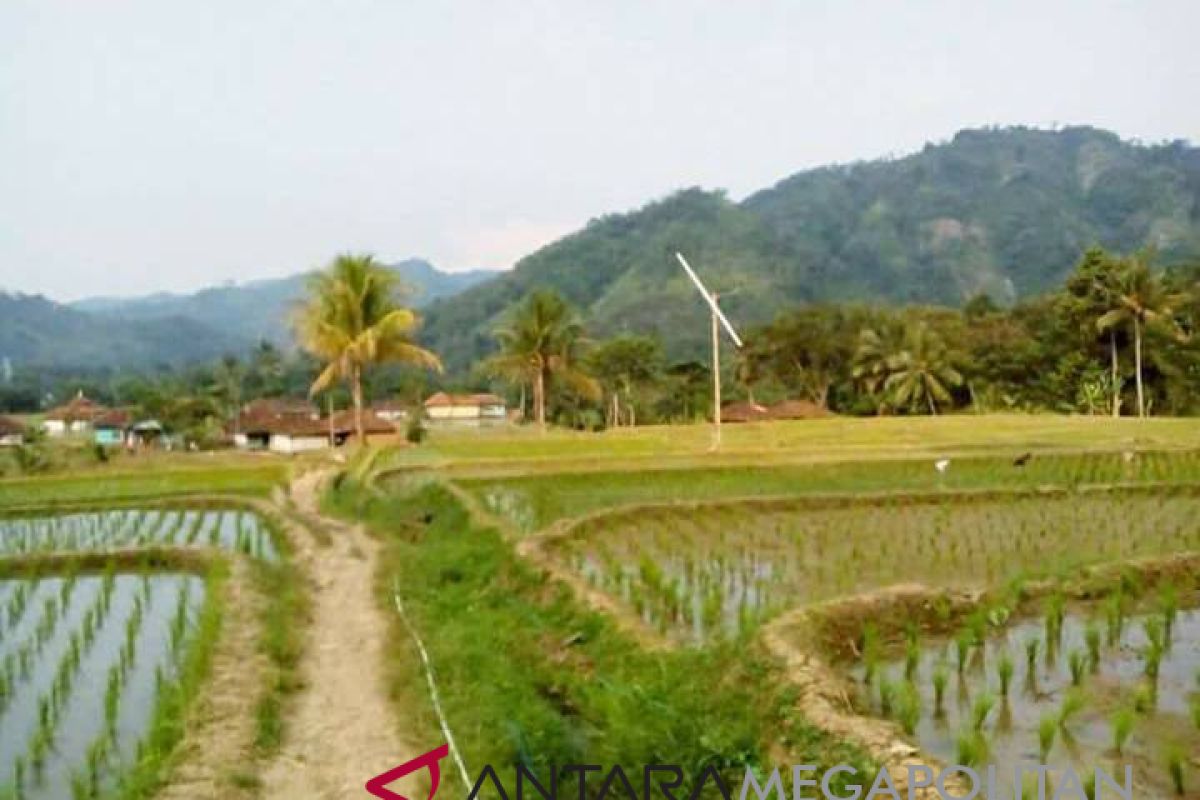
x=623, y=365
x=351, y=321
x=542, y=342
x=1089, y=293
x=1140, y=298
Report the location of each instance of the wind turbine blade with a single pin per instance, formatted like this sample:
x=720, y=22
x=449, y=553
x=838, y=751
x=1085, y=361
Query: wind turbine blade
x=708, y=298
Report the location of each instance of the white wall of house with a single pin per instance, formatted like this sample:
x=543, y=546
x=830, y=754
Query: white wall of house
x=241, y=441
x=55, y=427
x=284, y=443
x=12, y=440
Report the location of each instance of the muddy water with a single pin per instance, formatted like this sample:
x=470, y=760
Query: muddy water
x=82, y=719
x=238, y=531
x=1086, y=741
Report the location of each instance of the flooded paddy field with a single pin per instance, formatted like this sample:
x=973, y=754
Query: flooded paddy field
x=87, y=663
x=234, y=531
x=698, y=573
x=1082, y=688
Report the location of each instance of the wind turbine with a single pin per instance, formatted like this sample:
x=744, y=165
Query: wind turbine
x=711, y=298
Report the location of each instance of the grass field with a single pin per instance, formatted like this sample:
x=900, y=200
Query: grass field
x=180, y=475
x=517, y=451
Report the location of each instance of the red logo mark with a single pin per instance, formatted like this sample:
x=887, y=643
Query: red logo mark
x=377, y=786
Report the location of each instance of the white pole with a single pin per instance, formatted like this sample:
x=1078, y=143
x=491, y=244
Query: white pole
x=716, y=368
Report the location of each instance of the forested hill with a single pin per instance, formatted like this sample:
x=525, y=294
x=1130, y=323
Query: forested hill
x=259, y=309
x=1001, y=211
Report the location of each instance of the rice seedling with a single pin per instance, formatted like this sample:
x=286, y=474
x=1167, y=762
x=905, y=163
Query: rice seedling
x=1122, y=727
x=971, y=747
x=1091, y=636
x=1047, y=730
x=887, y=696
x=1144, y=698
x=1175, y=768
x=1077, y=662
x=962, y=649
x=980, y=710
x=912, y=657
x=940, y=678
x=1072, y=703
x=1004, y=671
x=1031, y=654
x=908, y=708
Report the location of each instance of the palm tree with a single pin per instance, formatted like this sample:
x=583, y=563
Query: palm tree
x=921, y=370
x=351, y=321
x=1139, y=298
x=541, y=343
x=877, y=349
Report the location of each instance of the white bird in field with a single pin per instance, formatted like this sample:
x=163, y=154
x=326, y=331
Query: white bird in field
x=942, y=465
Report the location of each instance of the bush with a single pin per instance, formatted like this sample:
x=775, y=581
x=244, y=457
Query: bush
x=416, y=431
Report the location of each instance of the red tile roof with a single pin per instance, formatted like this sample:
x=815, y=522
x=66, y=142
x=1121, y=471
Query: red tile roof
x=79, y=409
x=10, y=427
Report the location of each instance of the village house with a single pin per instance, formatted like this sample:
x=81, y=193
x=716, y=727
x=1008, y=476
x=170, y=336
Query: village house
x=290, y=427
x=74, y=417
x=390, y=410
x=465, y=409
x=108, y=427
x=12, y=433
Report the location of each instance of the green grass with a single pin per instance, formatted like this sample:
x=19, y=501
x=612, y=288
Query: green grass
x=99, y=486
x=528, y=675
x=524, y=449
x=533, y=502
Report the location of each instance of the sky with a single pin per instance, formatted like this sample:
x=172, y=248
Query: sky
x=151, y=145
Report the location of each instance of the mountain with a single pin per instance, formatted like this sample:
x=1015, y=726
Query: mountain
x=1006, y=211
x=34, y=330
x=258, y=310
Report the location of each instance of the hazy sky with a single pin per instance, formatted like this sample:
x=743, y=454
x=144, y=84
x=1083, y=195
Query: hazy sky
x=163, y=144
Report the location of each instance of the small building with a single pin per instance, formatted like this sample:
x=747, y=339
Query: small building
x=146, y=433
x=74, y=417
x=259, y=419
x=390, y=410
x=108, y=427
x=465, y=409
x=12, y=433
x=290, y=427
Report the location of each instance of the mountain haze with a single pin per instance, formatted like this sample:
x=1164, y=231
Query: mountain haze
x=174, y=329
x=259, y=309
x=1002, y=211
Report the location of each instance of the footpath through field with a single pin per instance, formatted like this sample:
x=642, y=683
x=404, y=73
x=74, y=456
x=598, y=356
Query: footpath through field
x=342, y=729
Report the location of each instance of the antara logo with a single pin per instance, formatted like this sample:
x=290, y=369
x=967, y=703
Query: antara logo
x=378, y=786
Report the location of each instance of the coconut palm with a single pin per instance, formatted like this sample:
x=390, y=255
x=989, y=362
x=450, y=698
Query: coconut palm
x=541, y=343
x=351, y=320
x=921, y=371
x=877, y=349
x=1138, y=298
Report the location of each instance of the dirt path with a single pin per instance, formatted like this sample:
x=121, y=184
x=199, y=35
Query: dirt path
x=342, y=729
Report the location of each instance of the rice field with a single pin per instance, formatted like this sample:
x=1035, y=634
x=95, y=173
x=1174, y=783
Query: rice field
x=712, y=571
x=234, y=531
x=530, y=503
x=88, y=663
x=1108, y=685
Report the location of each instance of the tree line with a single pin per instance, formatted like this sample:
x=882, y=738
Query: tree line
x=1116, y=338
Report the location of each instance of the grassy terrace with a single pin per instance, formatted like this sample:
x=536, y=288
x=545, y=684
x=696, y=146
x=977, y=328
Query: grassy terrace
x=147, y=478
x=525, y=451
